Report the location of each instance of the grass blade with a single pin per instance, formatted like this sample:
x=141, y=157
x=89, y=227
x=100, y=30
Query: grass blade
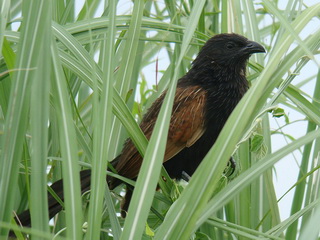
x=71, y=183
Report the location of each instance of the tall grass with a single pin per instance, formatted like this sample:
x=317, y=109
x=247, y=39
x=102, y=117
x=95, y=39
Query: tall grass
x=75, y=83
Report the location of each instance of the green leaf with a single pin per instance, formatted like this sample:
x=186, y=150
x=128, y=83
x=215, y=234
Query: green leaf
x=256, y=142
x=70, y=170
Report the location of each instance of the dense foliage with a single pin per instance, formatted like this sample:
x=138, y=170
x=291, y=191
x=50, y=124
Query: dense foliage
x=74, y=81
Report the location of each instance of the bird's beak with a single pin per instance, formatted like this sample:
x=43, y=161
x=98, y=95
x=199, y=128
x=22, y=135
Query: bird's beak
x=253, y=47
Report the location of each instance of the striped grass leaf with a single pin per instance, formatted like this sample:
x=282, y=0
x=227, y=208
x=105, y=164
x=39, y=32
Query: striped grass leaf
x=102, y=142
x=146, y=182
x=68, y=147
x=17, y=115
x=39, y=116
x=246, y=207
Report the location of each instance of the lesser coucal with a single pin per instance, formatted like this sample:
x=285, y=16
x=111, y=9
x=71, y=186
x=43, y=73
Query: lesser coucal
x=204, y=99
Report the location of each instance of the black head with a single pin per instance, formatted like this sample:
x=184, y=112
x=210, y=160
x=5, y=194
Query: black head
x=228, y=50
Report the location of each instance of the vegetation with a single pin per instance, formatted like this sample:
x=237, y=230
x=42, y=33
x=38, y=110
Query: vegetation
x=69, y=84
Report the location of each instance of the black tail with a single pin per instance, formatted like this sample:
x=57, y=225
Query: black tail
x=54, y=206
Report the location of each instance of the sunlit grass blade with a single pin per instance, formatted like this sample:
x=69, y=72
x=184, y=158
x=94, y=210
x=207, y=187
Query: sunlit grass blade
x=312, y=189
x=17, y=116
x=280, y=228
x=39, y=116
x=68, y=147
x=88, y=9
x=300, y=194
x=124, y=76
x=309, y=110
x=32, y=232
x=102, y=141
x=271, y=7
x=9, y=57
x=240, y=230
x=146, y=182
x=4, y=12
x=311, y=231
x=84, y=71
x=249, y=175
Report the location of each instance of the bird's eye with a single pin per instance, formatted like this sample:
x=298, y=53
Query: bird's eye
x=230, y=45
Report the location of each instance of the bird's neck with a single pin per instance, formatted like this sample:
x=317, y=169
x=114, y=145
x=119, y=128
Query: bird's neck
x=225, y=88
x=213, y=76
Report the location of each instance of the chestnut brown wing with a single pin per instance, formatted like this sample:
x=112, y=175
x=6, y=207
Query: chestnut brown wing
x=187, y=120
x=186, y=127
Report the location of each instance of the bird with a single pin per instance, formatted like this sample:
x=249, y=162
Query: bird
x=205, y=97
